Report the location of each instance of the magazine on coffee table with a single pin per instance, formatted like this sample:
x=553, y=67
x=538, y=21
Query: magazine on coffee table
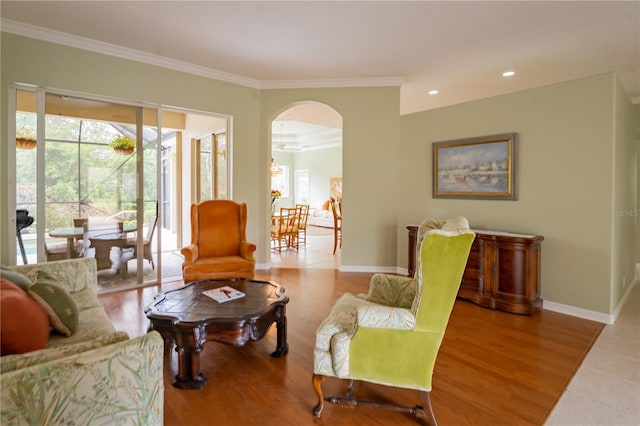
x=223, y=294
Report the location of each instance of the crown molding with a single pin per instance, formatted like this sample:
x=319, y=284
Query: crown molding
x=65, y=39
x=347, y=82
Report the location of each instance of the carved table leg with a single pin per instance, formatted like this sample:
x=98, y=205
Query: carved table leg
x=317, y=386
x=282, y=347
x=188, y=346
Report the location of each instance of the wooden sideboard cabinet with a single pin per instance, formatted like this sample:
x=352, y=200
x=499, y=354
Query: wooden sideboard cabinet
x=503, y=270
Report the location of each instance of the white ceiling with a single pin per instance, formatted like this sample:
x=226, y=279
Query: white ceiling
x=457, y=47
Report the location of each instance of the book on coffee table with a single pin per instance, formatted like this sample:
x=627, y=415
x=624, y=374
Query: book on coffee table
x=223, y=294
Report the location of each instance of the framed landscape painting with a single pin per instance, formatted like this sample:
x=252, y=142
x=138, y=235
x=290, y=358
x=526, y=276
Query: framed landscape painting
x=475, y=168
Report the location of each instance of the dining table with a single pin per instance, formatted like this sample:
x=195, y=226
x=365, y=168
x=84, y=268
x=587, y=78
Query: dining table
x=104, y=240
x=104, y=233
x=71, y=234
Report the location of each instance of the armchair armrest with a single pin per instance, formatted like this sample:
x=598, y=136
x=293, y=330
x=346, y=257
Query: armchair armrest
x=119, y=383
x=247, y=249
x=378, y=316
x=190, y=253
x=392, y=290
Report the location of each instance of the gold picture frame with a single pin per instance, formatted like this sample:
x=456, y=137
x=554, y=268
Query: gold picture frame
x=476, y=168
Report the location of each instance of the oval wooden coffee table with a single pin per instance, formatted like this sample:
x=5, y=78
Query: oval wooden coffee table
x=189, y=318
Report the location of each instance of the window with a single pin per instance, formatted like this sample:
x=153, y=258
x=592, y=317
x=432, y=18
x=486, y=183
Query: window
x=281, y=182
x=212, y=167
x=302, y=187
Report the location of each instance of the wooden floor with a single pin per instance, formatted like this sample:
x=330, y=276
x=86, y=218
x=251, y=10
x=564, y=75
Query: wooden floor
x=493, y=368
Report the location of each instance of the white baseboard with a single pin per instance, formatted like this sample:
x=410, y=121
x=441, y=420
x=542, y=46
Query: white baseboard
x=369, y=269
x=578, y=312
x=263, y=266
x=587, y=314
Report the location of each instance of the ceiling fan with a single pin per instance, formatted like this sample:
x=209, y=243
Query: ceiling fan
x=282, y=146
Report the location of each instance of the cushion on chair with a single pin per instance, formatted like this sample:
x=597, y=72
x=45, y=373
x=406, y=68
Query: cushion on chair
x=218, y=228
x=331, y=353
x=219, y=268
x=24, y=325
x=392, y=290
x=456, y=224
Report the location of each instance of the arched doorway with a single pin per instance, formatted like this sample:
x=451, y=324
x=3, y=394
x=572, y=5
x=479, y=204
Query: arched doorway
x=306, y=152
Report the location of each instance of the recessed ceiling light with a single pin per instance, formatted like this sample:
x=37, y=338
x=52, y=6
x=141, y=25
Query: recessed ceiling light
x=433, y=92
x=508, y=73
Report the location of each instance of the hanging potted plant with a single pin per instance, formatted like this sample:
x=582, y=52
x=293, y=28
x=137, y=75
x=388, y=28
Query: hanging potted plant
x=123, y=145
x=26, y=138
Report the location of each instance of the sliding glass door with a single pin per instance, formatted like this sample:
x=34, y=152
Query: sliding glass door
x=89, y=182
x=97, y=178
x=212, y=168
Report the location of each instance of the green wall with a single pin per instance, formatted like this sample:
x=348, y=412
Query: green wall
x=573, y=168
x=369, y=136
x=53, y=66
x=370, y=166
x=574, y=165
x=625, y=200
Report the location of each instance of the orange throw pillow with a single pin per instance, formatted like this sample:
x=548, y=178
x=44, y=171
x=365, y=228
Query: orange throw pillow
x=325, y=205
x=24, y=325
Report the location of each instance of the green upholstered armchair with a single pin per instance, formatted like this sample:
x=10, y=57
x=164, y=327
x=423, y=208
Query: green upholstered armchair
x=391, y=335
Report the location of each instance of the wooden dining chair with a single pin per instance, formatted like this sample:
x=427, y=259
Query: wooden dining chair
x=55, y=252
x=336, y=209
x=303, y=216
x=284, y=229
x=146, y=242
x=82, y=242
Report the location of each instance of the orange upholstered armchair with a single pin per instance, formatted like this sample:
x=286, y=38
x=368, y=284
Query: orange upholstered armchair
x=218, y=246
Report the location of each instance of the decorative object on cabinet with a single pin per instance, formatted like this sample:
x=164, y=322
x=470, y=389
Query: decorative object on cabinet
x=503, y=271
x=478, y=168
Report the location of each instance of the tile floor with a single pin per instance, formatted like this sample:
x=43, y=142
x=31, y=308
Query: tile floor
x=317, y=253
x=606, y=389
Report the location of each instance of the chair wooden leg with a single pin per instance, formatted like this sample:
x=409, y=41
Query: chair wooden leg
x=317, y=386
x=335, y=240
x=427, y=411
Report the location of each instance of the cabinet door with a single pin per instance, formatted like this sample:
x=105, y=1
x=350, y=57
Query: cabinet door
x=476, y=281
x=517, y=276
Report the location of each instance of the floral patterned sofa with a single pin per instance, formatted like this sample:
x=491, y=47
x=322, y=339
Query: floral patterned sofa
x=95, y=376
